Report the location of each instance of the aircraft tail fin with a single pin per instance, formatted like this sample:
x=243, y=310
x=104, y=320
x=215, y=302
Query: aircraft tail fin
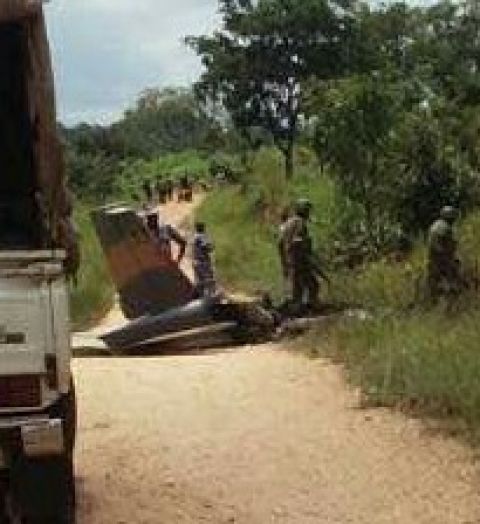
x=148, y=281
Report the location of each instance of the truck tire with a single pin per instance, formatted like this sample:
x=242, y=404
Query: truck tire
x=57, y=503
x=3, y=499
x=66, y=410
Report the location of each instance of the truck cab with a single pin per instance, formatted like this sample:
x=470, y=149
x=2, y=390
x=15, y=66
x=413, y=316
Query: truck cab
x=37, y=398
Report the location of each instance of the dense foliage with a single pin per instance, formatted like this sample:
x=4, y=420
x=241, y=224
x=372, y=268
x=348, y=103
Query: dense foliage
x=255, y=67
x=388, y=95
x=162, y=123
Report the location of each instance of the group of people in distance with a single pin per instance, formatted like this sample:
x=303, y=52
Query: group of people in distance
x=164, y=189
x=301, y=268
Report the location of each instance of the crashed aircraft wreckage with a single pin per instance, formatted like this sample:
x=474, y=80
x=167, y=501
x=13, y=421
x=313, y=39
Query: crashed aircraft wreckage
x=158, y=297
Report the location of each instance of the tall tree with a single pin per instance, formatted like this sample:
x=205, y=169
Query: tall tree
x=255, y=66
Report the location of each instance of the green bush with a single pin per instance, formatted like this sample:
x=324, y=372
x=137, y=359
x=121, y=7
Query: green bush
x=406, y=354
x=92, y=295
x=133, y=173
x=245, y=251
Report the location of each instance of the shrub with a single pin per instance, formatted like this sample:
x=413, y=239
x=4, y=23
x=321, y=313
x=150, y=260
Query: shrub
x=93, y=293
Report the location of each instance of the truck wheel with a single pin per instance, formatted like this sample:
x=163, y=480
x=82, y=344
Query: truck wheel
x=3, y=500
x=47, y=486
x=60, y=506
x=66, y=410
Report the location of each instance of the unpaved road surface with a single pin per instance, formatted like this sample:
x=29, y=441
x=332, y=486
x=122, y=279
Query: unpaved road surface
x=255, y=436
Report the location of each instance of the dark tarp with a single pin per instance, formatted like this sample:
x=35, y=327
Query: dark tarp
x=52, y=200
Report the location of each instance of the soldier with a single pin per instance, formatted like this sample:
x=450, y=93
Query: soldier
x=170, y=189
x=301, y=265
x=161, y=189
x=182, y=188
x=282, y=248
x=164, y=234
x=202, y=262
x=147, y=190
x=443, y=265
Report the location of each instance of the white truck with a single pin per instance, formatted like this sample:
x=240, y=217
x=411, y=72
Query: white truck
x=37, y=251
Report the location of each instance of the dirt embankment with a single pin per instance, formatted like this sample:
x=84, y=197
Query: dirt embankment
x=254, y=436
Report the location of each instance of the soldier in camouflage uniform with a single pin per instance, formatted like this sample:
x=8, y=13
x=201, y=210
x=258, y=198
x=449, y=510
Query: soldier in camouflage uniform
x=202, y=262
x=282, y=248
x=301, y=268
x=443, y=270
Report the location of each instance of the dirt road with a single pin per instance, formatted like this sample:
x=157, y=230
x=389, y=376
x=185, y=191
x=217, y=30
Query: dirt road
x=254, y=436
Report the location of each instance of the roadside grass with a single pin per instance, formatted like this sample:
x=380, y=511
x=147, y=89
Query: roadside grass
x=405, y=353
x=245, y=251
x=425, y=362
x=92, y=295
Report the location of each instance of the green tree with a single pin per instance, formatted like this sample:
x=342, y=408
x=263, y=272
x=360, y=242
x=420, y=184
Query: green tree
x=255, y=66
x=165, y=121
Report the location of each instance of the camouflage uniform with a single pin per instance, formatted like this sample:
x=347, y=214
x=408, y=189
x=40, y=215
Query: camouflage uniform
x=161, y=189
x=147, y=190
x=302, y=270
x=170, y=189
x=202, y=264
x=443, y=265
x=282, y=248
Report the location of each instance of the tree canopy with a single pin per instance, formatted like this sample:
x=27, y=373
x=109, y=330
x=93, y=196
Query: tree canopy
x=255, y=66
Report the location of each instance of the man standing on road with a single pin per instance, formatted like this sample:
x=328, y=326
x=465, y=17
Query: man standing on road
x=297, y=244
x=202, y=262
x=443, y=272
x=163, y=235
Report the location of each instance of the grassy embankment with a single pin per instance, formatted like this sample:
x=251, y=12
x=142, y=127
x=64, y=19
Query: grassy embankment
x=92, y=295
x=243, y=223
x=408, y=355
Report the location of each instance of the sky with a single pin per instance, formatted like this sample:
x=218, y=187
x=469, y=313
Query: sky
x=105, y=52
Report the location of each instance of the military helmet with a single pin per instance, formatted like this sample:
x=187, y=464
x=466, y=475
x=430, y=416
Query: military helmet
x=449, y=213
x=303, y=207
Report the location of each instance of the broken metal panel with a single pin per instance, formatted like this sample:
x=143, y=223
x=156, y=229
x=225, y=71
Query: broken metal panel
x=198, y=313
x=247, y=321
x=149, y=282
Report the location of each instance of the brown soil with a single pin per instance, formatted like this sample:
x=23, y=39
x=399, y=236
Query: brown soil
x=253, y=436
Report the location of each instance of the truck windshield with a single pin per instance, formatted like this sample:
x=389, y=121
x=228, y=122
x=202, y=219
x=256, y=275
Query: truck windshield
x=18, y=209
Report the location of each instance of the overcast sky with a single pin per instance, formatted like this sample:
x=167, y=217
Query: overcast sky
x=106, y=51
